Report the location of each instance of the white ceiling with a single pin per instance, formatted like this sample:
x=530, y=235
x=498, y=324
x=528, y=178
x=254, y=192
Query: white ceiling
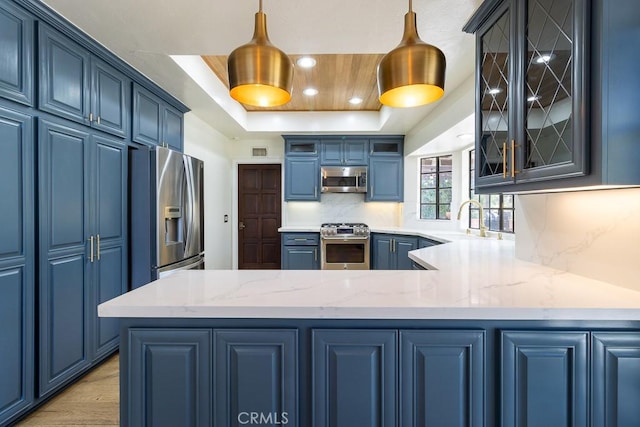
x=146, y=32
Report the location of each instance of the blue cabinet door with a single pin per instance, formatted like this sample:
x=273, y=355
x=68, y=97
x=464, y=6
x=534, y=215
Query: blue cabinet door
x=16, y=264
x=441, y=378
x=172, y=132
x=544, y=379
x=63, y=252
x=401, y=248
x=331, y=152
x=16, y=54
x=300, y=258
x=169, y=378
x=109, y=225
x=354, y=378
x=255, y=371
x=147, y=117
x=110, y=100
x=616, y=375
x=382, y=257
x=302, y=176
x=64, y=69
x=386, y=179
x=356, y=152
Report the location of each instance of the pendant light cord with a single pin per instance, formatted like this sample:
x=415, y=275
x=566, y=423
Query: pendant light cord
x=260, y=6
x=410, y=5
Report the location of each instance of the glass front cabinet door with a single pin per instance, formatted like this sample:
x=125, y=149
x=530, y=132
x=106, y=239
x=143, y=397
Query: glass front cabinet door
x=531, y=99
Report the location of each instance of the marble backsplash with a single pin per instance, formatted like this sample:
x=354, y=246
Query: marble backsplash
x=591, y=233
x=342, y=208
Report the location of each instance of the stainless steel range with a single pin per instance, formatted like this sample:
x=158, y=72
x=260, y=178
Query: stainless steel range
x=345, y=246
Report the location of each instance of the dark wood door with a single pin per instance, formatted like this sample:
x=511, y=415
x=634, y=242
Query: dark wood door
x=259, y=216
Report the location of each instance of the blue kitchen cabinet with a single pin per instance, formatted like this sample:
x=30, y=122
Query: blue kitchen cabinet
x=109, y=222
x=255, y=371
x=302, y=179
x=301, y=146
x=182, y=395
x=616, y=375
x=355, y=375
x=386, y=179
x=344, y=151
x=545, y=378
x=16, y=263
x=300, y=251
x=16, y=54
x=82, y=192
x=441, y=378
x=78, y=86
x=423, y=242
x=155, y=122
x=391, y=251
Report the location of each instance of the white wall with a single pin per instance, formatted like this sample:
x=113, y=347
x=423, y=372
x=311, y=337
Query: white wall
x=590, y=233
x=207, y=144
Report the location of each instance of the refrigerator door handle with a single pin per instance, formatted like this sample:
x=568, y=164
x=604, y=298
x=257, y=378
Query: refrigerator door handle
x=188, y=209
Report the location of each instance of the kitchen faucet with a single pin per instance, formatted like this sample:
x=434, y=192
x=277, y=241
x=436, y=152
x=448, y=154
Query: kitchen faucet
x=483, y=228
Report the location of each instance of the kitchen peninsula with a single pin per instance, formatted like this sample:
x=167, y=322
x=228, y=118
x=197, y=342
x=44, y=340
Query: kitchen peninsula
x=482, y=340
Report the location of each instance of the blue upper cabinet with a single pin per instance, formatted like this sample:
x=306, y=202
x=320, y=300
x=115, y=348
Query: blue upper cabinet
x=545, y=379
x=16, y=54
x=386, y=170
x=255, y=371
x=344, y=151
x=110, y=99
x=301, y=146
x=64, y=69
x=442, y=378
x=154, y=121
x=302, y=179
x=16, y=263
x=555, y=115
x=355, y=377
x=79, y=87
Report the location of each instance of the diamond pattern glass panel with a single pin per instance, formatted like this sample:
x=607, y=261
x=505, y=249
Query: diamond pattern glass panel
x=548, y=82
x=494, y=92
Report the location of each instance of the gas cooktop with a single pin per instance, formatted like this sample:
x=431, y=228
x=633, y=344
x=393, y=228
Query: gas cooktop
x=344, y=230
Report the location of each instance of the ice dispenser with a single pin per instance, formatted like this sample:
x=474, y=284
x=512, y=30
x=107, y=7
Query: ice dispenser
x=174, y=225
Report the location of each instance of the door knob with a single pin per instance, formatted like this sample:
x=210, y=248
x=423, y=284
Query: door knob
x=241, y=225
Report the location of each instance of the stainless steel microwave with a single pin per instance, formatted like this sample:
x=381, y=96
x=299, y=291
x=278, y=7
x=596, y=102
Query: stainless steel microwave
x=340, y=179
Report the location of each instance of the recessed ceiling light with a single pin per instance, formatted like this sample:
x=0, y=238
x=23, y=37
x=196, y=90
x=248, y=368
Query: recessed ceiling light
x=544, y=58
x=466, y=137
x=306, y=62
x=355, y=100
x=494, y=91
x=533, y=98
x=310, y=91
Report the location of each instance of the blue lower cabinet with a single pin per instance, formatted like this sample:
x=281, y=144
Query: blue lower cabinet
x=402, y=247
x=441, y=378
x=169, y=377
x=255, y=377
x=391, y=252
x=545, y=379
x=616, y=379
x=354, y=378
x=300, y=251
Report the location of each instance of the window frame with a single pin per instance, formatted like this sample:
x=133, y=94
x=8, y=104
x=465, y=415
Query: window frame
x=438, y=187
x=500, y=210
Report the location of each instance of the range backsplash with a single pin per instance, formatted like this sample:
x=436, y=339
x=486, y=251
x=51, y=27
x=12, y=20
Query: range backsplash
x=335, y=207
x=591, y=233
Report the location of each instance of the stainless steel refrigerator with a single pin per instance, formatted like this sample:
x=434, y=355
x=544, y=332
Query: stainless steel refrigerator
x=167, y=212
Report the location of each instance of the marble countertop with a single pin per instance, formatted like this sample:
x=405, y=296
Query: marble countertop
x=474, y=279
x=441, y=236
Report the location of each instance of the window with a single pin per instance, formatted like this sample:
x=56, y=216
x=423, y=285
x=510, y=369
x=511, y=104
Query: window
x=435, y=187
x=499, y=209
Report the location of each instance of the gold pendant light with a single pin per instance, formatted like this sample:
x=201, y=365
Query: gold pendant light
x=412, y=74
x=260, y=74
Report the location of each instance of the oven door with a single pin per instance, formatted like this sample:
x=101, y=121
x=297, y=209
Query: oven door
x=345, y=254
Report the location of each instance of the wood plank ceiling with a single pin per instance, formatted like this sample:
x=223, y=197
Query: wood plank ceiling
x=337, y=78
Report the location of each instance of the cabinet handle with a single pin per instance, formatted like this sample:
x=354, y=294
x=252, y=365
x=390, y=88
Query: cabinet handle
x=300, y=240
x=504, y=159
x=98, y=246
x=395, y=246
x=315, y=192
x=513, y=158
x=98, y=120
x=91, y=248
x=315, y=254
x=90, y=117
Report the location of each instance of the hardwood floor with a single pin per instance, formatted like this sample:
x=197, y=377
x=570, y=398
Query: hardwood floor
x=92, y=401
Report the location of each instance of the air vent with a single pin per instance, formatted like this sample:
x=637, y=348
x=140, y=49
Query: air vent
x=259, y=152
